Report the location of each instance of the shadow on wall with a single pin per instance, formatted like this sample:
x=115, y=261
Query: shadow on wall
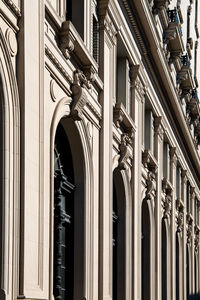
x=194, y=297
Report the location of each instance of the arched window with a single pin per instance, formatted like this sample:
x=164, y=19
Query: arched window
x=164, y=261
x=187, y=272
x=177, y=267
x=63, y=218
x=119, y=237
x=146, y=252
x=69, y=213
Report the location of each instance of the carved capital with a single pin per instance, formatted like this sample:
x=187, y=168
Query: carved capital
x=158, y=126
x=172, y=154
x=183, y=175
x=79, y=96
x=103, y=8
x=110, y=29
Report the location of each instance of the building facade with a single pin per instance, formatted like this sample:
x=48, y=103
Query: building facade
x=100, y=149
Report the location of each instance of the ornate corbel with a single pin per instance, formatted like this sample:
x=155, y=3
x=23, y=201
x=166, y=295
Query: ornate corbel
x=67, y=40
x=149, y=161
x=167, y=202
x=78, y=93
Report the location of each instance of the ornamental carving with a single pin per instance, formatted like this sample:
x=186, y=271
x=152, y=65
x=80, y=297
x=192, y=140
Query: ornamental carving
x=80, y=99
x=189, y=221
x=196, y=239
x=125, y=152
x=180, y=216
x=167, y=201
x=150, y=163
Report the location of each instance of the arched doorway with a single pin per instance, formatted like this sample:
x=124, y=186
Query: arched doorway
x=9, y=175
x=177, y=267
x=146, y=251
x=119, y=236
x=69, y=217
x=187, y=272
x=164, y=260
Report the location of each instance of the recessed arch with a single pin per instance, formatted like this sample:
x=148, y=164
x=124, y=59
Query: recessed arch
x=10, y=174
x=146, y=251
x=122, y=207
x=76, y=132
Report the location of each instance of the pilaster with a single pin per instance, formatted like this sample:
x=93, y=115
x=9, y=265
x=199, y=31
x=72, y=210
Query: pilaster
x=107, y=69
x=158, y=144
x=183, y=196
x=173, y=162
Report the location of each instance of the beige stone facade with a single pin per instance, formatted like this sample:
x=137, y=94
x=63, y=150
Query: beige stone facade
x=100, y=149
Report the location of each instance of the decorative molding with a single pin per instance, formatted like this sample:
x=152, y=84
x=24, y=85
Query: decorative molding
x=57, y=64
x=13, y=7
x=53, y=90
x=11, y=41
x=80, y=99
x=96, y=113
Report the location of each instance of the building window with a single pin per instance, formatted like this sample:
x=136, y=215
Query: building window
x=95, y=33
x=149, y=130
x=75, y=14
x=124, y=83
x=63, y=218
x=119, y=237
x=164, y=261
x=146, y=252
x=166, y=161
